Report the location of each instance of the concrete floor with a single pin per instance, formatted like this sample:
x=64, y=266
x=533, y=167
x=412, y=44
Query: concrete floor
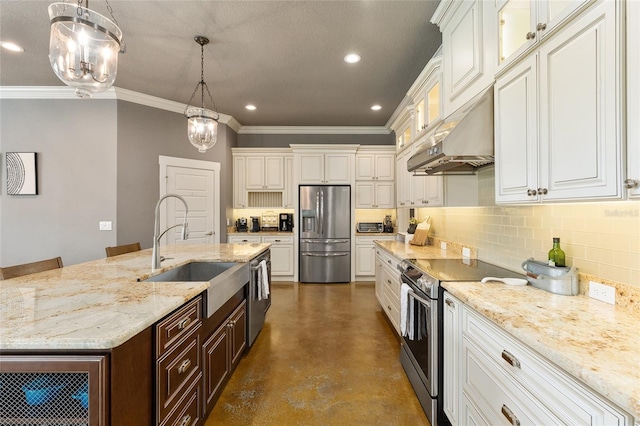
x=326, y=356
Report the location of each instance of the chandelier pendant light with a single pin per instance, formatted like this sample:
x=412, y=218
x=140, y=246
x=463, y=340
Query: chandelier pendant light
x=84, y=47
x=202, y=126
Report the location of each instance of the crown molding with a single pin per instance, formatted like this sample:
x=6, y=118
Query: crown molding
x=317, y=130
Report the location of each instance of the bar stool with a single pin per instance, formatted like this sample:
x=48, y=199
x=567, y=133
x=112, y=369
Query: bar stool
x=126, y=248
x=30, y=268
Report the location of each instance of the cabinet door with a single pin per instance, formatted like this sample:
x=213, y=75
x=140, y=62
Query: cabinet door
x=274, y=172
x=516, y=28
x=516, y=136
x=379, y=278
x=239, y=183
x=311, y=168
x=337, y=168
x=281, y=259
x=255, y=172
x=552, y=13
x=452, y=332
x=580, y=121
x=385, y=167
x=633, y=100
x=467, y=54
x=403, y=189
x=238, y=332
x=365, y=195
x=288, y=197
x=365, y=166
x=384, y=195
x=216, y=364
x=84, y=399
x=365, y=259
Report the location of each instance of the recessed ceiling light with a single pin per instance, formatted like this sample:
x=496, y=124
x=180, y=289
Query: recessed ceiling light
x=11, y=46
x=352, y=58
x=376, y=107
x=251, y=107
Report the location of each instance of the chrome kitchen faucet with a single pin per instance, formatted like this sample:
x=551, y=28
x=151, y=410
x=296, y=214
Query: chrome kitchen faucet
x=155, y=257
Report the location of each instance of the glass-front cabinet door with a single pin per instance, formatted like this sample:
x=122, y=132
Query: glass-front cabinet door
x=516, y=23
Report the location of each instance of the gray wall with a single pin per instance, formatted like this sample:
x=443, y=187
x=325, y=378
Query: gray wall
x=76, y=145
x=145, y=133
x=283, y=141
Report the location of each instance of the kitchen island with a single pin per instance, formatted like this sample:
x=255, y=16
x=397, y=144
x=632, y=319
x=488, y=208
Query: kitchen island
x=99, y=320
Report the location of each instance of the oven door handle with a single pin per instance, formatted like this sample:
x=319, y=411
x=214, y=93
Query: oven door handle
x=420, y=299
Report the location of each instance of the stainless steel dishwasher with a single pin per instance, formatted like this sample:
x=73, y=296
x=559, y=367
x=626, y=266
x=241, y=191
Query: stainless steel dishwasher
x=257, y=309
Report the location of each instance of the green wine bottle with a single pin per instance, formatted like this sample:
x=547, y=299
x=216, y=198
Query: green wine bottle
x=556, y=255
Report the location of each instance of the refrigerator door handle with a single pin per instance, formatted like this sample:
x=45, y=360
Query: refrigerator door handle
x=318, y=218
x=324, y=241
x=321, y=212
x=325, y=255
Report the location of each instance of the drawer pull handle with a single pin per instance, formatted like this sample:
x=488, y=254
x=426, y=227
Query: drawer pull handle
x=506, y=411
x=184, y=323
x=450, y=303
x=186, y=420
x=389, y=281
x=389, y=262
x=510, y=359
x=184, y=366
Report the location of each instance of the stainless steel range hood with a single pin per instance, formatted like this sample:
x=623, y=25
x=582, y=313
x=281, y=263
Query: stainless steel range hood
x=462, y=143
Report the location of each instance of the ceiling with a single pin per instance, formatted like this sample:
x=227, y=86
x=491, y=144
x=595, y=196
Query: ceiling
x=285, y=57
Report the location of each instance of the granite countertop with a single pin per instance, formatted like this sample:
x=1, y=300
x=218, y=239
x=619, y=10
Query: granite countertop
x=100, y=304
x=593, y=341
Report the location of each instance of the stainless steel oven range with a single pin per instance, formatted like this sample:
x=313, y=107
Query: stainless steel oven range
x=421, y=351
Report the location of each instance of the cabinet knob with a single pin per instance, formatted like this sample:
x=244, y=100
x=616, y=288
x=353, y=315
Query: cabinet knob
x=510, y=358
x=186, y=420
x=631, y=183
x=506, y=411
x=531, y=36
x=542, y=191
x=450, y=303
x=541, y=26
x=184, y=323
x=531, y=192
x=184, y=366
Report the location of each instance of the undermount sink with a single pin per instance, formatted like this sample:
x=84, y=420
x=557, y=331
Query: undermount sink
x=225, y=279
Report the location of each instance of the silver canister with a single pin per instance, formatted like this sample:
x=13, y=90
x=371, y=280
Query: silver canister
x=554, y=279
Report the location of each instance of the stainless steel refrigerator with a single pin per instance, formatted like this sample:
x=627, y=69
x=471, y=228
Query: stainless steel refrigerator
x=325, y=234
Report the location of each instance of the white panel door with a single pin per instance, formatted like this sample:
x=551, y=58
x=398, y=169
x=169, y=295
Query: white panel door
x=579, y=108
x=516, y=134
x=198, y=183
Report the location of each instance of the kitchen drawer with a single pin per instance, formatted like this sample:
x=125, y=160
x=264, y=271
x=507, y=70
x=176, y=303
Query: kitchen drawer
x=187, y=411
x=392, y=308
x=277, y=240
x=237, y=239
x=178, y=325
x=568, y=399
x=176, y=371
x=391, y=284
x=497, y=395
x=388, y=259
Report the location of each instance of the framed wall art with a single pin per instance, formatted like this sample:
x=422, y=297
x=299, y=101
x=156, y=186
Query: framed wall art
x=21, y=173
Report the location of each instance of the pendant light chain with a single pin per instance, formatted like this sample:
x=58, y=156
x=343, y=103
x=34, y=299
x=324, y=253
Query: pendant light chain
x=202, y=74
x=202, y=84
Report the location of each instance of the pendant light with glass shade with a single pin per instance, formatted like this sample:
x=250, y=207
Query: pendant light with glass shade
x=202, y=126
x=84, y=47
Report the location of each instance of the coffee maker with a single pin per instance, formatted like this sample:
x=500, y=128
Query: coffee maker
x=286, y=222
x=387, y=225
x=255, y=224
x=241, y=225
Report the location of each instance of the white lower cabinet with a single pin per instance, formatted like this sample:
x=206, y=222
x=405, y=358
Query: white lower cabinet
x=282, y=254
x=388, y=286
x=366, y=256
x=502, y=381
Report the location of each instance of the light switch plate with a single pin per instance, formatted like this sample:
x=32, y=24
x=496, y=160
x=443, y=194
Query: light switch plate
x=604, y=293
x=105, y=225
x=443, y=245
x=466, y=252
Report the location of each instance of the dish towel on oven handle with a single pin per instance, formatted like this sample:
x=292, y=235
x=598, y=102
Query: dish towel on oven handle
x=406, y=312
x=263, y=280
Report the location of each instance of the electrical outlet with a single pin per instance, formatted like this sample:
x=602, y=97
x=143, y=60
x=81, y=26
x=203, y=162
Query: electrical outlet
x=604, y=293
x=105, y=225
x=466, y=252
x=443, y=245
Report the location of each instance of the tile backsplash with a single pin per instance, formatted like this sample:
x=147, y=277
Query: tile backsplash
x=600, y=239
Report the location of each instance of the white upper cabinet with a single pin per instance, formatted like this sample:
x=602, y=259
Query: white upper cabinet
x=632, y=180
x=468, y=50
x=265, y=172
x=375, y=164
x=521, y=24
x=558, y=121
x=378, y=195
x=325, y=164
x=289, y=196
x=426, y=96
x=239, y=184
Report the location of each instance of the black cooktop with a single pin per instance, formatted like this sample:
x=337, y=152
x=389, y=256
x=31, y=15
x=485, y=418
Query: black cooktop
x=461, y=269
